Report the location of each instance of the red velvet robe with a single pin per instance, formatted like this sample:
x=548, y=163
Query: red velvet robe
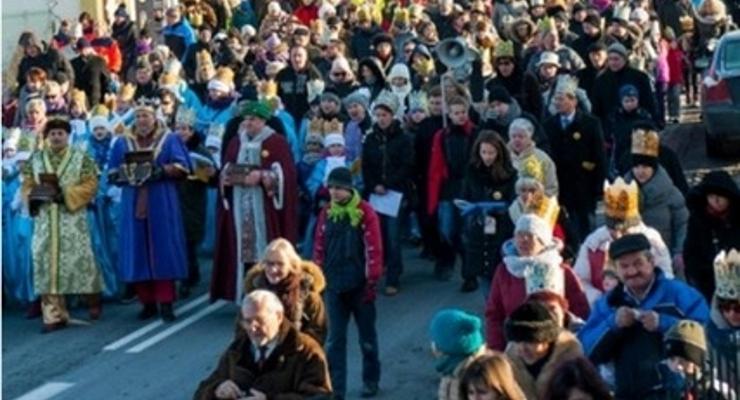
x=280, y=223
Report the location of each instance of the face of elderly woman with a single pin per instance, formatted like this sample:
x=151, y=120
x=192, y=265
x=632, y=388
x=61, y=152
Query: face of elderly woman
x=520, y=140
x=277, y=267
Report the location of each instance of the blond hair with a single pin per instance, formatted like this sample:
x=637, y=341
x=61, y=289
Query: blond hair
x=284, y=248
x=493, y=372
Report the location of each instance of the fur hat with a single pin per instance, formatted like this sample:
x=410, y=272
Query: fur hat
x=530, y=223
x=686, y=339
x=456, y=332
x=359, y=96
x=531, y=322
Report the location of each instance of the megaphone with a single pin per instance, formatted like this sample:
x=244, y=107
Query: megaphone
x=453, y=52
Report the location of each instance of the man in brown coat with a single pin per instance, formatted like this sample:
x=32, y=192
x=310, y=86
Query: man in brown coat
x=273, y=360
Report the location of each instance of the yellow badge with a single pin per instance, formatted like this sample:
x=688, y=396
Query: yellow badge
x=497, y=195
x=588, y=166
x=577, y=136
x=265, y=154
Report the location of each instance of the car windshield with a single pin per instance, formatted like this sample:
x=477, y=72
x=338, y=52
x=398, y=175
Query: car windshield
x=732, y=56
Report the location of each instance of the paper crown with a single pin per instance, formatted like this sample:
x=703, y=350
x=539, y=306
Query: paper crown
x=504, y=49
x=567, y=85
x=315, y=88
x=333, y=126
x=78, y=97
x=727, y=275
x=540, y=277
x=424, y=66
x=621, y=13
x=531, y=167
x=401, y=16
x=127, y=92
x=225, y=75
x=185, y=116
x=168, y=81
x=100, y=110
x=545, y=207
x=645, y=142
x=545, y=25
x=687, y=23
x=203, y=59
x=621, y=200
x=364, y=14
x=268, y=89
x=147, y=104
x=418, y=101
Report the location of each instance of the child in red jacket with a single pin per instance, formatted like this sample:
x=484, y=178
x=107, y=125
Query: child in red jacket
x=676, y=59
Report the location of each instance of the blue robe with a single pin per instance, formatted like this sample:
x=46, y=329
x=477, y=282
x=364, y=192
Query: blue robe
x=16, y=241
x=102, y=220
x=155, y=246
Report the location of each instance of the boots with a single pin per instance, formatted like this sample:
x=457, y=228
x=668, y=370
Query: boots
x=95, y=306
x=165, y=311
x=149, y=310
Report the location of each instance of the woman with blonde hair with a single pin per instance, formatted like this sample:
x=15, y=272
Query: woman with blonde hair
x=296, y=282
x=490, y=377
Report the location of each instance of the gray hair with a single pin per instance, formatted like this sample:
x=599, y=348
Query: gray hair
x=522, y=124
x=36, y=104
x=263, y=298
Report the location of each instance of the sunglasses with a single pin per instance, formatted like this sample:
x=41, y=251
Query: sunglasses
x=730, y=306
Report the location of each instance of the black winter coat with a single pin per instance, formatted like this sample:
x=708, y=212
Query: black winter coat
x=92, y=77
x=707, y=235
x=361, y=44
x=293, y=91
x=606, y=98
x=51, y=61
x=524, y=88
x=578, y=153
x=388, y=159
x=126, y=34
x=483, y=251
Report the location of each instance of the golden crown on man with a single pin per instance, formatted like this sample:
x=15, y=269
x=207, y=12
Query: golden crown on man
x=545, y=207
x=645, y=142
x=621, y=200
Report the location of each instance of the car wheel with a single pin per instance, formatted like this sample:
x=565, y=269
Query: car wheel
x=713, y=145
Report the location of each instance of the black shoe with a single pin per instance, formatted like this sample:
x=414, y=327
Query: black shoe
x=148, y=311
x=470, y=285
x=165, y=311
x=129, y=295
x=369, y=390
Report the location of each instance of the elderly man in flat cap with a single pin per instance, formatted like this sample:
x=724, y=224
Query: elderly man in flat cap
x=627, y=325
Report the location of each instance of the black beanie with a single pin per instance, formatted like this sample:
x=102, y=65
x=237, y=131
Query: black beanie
x=642, y=159
x=340, y=177
x=593, y=20
x=531, y=322
x=499, y=93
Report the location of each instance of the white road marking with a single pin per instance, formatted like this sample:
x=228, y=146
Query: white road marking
x=154, y=325
x=176, y=328
x=46, y=391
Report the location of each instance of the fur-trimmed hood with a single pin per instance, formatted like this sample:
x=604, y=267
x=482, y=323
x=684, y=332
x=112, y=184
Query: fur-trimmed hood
x=312, y=280
x=567, y=347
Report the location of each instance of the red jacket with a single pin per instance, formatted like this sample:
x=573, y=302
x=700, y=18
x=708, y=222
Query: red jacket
x=108, y=49
x=373, y=241
x=675, y=60
x=307, y=14
x=438, y=172
x=508, y=292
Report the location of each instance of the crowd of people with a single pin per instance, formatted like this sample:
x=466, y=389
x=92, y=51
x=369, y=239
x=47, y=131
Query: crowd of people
x=301, y=145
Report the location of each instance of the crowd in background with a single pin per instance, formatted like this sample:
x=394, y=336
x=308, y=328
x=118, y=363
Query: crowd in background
x=303, y=145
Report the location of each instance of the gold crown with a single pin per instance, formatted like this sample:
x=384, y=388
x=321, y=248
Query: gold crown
x=621, y=200
x=401, y=16
x=545, y=25
x=127, y=92
x=79, y=97
x=504, y=48
x=225, y=75
x=727, y=275
x=333, y=126
x=364, y=14
x=541, y=277
x=531, y=167
x=424, y=66
x=185, y=116
x=316, y=126
x=268, y=89
x=545, y=207
x=203, y=58
x=168, y=80
x=687, y=23
x=418, y=101
x=100, y=110
x=645, y=142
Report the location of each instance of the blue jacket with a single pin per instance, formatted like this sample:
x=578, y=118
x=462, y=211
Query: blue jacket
x=636, y=352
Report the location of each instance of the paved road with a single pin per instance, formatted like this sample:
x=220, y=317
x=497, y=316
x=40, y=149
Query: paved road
x=167, y=361
x=75, y=363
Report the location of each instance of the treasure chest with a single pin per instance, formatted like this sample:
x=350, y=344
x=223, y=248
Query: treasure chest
x=46, y=190
x=138, y=167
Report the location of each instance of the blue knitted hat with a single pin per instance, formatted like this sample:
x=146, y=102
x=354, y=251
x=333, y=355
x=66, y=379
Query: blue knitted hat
x=455, y=332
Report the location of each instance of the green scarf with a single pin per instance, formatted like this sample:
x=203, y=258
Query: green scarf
x=337, y=211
